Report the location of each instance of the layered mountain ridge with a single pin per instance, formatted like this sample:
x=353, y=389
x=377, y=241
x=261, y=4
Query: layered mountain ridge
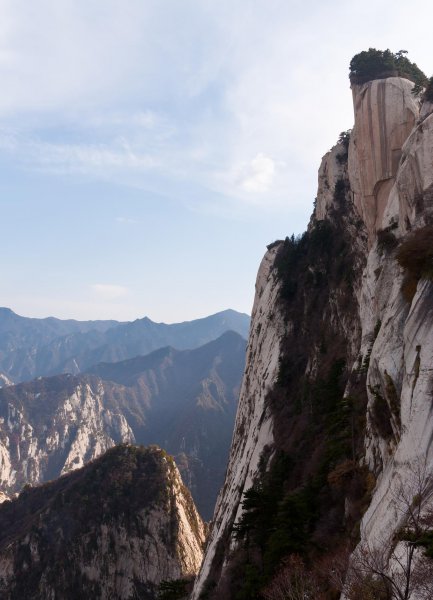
x=184, y=401
x=335, y=405
x=32, y=348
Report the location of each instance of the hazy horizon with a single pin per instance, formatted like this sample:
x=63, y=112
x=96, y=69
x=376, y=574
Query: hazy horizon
x=204, y=316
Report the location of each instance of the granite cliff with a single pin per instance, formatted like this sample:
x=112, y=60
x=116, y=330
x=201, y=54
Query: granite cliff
x=335, y=407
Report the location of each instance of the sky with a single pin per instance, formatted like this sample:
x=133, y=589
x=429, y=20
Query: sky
x=150, y=149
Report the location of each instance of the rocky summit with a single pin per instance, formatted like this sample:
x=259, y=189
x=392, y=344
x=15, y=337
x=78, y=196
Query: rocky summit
x=113, y=529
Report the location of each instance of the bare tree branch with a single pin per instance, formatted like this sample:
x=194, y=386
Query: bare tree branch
x=396, y=568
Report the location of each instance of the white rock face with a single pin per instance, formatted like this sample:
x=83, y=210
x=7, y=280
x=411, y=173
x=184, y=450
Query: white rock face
x=4, y=381
x=401, y=372
x=385, y=114
x=191, y=535
x=390, y=169
x=80, y=429
x=402, y=355
x=253, y=428
x=332, y=168
x=411, y=203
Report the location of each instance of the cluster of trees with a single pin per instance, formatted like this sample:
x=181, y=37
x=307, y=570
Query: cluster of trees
x=394, y=568
x=376, y=64
x=284, y=523
x=428, y=94
x=415, y=255
x=175, y=589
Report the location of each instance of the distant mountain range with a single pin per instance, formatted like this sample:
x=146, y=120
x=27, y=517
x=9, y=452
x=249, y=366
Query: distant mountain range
x=32, y=348
x=183, y=400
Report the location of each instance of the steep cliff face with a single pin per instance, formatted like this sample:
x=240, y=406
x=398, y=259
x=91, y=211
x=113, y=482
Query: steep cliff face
x=385, y=114
x=254, y=422
x=112, y=530
x=348, y=400
x=400, y=298
x=304, y=338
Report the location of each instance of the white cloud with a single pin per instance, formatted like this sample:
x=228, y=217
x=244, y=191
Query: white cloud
x=118, y=154
x=110, y=291
x=90, y=157
x=190, y=90
x=258, y=175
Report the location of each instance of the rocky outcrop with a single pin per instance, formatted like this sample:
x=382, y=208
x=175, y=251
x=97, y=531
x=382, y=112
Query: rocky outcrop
x=305, y=309
x=378, y=317
x=112, y=530
x=49, y=427
x=385, y=114
x=4, y=381
x=410, y=203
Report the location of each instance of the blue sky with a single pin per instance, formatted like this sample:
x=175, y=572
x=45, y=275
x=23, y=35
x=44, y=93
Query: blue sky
x=149, y=150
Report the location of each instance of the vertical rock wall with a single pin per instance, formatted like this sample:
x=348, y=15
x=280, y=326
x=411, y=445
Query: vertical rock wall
x=385, y=114
x=401, y=362
x=390, y=169
x=254, y=426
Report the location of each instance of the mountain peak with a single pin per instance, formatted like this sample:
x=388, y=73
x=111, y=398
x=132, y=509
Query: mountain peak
x=131, y=500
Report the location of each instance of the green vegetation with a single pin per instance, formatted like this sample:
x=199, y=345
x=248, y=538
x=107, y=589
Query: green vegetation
x=340, y=191
x=428, y=94
x=386, y=239
x=344, y=139
x=313, y=249
x=393, y=398
x=381, y=414
x=286, y=513
x=425, y=540
x=174, y=589
x=276, y=522
x=378, y=64
x=376, y=329
x=415, y=255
